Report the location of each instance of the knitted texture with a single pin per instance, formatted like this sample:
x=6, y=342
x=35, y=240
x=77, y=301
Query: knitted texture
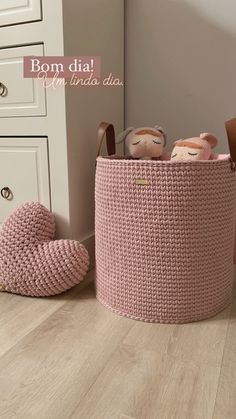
x=164, y=238
x=31, y=263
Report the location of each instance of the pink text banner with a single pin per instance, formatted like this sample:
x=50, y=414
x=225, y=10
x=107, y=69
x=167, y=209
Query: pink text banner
x=62, y=67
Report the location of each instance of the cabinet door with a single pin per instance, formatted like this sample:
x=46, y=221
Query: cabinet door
x=22, y=96
x=24, y=174
x=19, y=11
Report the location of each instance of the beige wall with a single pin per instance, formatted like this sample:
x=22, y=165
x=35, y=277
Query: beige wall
x=181, y=65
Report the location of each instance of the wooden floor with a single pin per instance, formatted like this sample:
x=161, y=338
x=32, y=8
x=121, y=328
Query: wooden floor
x=68, y=357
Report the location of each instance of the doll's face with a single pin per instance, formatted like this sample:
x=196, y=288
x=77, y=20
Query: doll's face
x=146, y=144
x=184, y=152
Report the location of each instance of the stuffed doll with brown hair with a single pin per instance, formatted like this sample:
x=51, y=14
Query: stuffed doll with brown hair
x=196, y=148
x=144, y=143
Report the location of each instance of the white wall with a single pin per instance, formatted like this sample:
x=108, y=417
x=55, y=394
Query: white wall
x=94, y=28
x=181, y=65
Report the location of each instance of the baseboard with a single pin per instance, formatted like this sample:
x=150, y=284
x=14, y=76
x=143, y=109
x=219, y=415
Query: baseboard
x=89, y=243
x=88, y=279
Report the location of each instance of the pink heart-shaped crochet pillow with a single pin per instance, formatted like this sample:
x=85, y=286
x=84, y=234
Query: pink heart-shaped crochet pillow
x=31, y=262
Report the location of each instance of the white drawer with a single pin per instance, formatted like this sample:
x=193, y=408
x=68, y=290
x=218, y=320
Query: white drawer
x=22, y=96
x=24, y=170
x=19, y=11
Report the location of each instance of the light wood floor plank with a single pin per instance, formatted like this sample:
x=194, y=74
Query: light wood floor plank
x=152, y=374
x=225, y=406
x=20, y=315
x=70, y=358
x=49, y=371
x=200, y=342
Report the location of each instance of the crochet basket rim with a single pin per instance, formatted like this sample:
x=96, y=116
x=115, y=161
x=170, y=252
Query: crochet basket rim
x=118, y=159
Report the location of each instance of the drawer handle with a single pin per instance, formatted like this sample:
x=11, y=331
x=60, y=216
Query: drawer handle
x=6, y=193
x=3, y=90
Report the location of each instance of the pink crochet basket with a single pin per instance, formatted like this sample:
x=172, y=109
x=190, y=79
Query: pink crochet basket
x=164, y=236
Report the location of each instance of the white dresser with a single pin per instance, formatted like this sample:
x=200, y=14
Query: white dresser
x=47, y=136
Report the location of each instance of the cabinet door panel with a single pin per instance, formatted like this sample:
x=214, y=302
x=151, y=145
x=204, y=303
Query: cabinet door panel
x=22, y=96
x=24, y=171
x=19, y=11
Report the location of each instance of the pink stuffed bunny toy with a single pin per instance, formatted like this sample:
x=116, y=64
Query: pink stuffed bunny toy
x=196, y=148
x=144, y=143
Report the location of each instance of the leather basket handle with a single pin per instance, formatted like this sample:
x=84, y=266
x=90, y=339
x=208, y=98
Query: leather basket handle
x=230, y=126
x=106, y=129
